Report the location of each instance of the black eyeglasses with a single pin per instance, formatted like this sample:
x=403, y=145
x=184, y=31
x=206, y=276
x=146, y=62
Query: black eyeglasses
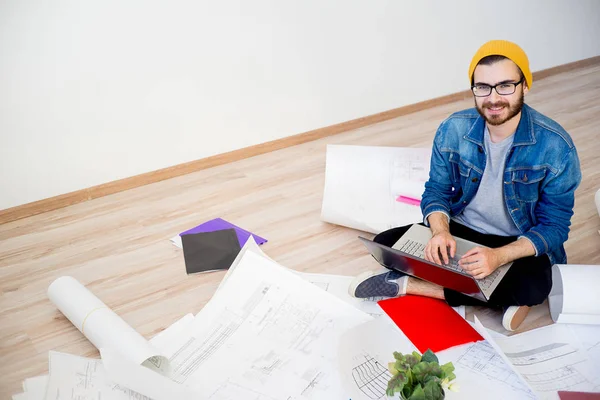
x=503, y=89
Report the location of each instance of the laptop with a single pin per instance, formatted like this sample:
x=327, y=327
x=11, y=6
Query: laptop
x=407, y=256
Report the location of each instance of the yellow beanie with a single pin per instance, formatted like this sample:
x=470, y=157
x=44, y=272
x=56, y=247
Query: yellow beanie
x=507, y=49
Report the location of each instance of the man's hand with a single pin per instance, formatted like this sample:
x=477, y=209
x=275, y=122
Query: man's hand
x=479, y=262
x=443, y=243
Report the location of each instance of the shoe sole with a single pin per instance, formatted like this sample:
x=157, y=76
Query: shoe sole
x=514, y=320
x=357, y=281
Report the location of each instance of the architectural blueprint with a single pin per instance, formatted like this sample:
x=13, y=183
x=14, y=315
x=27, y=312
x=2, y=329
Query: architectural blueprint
x=366, y=351
x=266, y=333
x=550, y=359
x=79, y=378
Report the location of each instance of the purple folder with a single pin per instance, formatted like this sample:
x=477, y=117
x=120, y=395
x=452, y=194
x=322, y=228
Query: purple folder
x=219, y=224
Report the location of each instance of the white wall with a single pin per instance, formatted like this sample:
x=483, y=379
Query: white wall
x=94, y=91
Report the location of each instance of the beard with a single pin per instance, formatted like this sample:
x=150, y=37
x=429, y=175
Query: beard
x=495, y=120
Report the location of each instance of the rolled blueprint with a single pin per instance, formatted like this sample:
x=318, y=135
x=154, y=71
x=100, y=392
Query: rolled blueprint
x=573, y=298
x=102, y=326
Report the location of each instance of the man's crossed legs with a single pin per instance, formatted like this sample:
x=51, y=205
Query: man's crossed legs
x=527, y=283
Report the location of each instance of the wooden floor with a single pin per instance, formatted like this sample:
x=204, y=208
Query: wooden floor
x=118, y=246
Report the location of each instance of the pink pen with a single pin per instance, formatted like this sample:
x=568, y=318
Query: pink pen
x=408, y=200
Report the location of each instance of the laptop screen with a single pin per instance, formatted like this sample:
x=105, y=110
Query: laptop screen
x=422, y=269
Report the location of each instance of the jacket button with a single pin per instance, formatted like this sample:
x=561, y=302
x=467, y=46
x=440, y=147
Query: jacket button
x=480, y=149
x=474, y=180
x=465, y=202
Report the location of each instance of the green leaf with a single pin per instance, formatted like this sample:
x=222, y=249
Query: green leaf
x=407, y=391
x=411, y=360
x=417, y=355
x=424, y=370
x=433, y=390
x=418, y=394
x=392, y=368
x=411, y=378
x=396, y=384
x=429, y=356
x=448, y=371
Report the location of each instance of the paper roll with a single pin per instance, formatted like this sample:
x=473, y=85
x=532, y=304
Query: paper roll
x=103, y=327
x=572, y=299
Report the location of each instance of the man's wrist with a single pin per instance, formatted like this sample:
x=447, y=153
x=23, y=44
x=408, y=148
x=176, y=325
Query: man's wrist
x=437, y=231
x=438, y=223
x=502, y=255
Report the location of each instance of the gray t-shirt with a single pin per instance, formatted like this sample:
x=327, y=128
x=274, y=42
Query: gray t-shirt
x=487, y=211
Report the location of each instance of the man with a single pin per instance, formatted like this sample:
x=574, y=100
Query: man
x=502, y=175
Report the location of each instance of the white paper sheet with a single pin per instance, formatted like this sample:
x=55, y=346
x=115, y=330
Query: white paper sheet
x=364, y=354
x=164, y=339
x=551, y=359
x=73, y=377
x=147, y=384
x=588, y=337
x=249, y=246
x=366, y=351
x=176, y=240
x=518, y=381
x=101, y=325
x=36, y=387
x=266, y=334
x=481, y=372
x=363, y=182
x=574, y=298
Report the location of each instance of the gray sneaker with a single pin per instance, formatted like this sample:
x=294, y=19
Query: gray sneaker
x=375, y=284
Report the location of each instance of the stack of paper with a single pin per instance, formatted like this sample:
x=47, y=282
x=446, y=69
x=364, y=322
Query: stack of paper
x=73, y=377
x=267, y=333
x=535, y=364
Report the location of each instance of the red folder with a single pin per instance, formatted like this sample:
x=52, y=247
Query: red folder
x=429, y=323
x=578, y=395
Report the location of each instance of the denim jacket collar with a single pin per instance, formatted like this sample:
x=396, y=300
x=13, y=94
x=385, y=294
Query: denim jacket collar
x=523, y=136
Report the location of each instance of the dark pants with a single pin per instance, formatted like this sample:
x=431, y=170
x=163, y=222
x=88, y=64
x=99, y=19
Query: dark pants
x=527, y=282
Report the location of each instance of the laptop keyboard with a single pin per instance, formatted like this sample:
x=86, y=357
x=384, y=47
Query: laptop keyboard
x=418, y=250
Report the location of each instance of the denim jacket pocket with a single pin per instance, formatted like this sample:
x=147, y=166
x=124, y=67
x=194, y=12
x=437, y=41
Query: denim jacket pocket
x=461, y=172
x=527, y=184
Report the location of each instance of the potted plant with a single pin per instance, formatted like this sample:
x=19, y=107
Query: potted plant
x=419, y=377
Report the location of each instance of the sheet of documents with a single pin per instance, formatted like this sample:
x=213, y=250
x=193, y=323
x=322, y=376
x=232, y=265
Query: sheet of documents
x=91, y=378
x=265, y=334
x=142, y=381
x=164, y=339
x=363, y=182
x=551, y=359
x=102, y=326
x=573, y=298
x=366, y=351
x=364, y=354
x=588, y=338
x=36, y=387
x=73, y=377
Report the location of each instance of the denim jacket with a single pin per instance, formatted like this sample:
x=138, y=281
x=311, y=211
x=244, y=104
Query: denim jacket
x=541, y=174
